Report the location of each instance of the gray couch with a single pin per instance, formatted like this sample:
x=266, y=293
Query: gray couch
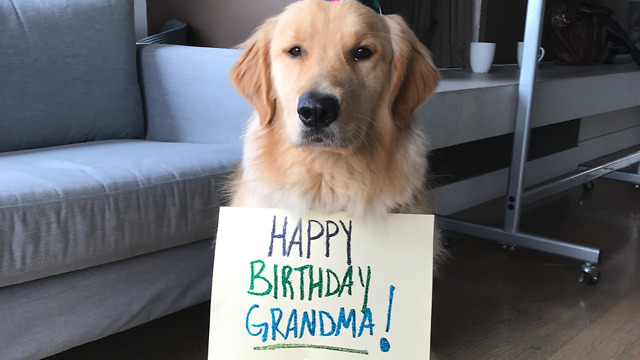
x=112, y=159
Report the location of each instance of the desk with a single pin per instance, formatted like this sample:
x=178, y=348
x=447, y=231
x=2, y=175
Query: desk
x=499, y=102
x=469, y=106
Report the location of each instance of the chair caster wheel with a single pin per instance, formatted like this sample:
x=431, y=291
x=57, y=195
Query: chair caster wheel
x=590, y=274
x=588, y=186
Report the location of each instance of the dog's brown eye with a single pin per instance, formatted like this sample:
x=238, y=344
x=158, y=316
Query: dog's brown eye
x=295, y=51
x=362, y=53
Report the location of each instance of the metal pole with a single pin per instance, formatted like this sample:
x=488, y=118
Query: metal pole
x=532, y=32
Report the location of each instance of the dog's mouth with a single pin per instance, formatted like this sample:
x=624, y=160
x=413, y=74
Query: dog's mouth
x=319, y=137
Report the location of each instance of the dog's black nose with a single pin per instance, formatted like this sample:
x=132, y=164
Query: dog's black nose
x=318, y=110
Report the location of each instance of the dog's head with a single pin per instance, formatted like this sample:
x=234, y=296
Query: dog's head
x=332, y=71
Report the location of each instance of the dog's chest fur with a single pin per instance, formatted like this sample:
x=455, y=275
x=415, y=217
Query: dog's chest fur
x=362, y=183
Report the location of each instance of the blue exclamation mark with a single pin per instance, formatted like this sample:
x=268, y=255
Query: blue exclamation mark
x=384, y=343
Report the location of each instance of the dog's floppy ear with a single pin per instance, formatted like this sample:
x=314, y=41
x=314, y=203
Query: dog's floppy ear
x=414, y=76
x=251, y=75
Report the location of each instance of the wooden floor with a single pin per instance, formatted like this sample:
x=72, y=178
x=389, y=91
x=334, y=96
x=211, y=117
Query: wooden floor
x=490, y=303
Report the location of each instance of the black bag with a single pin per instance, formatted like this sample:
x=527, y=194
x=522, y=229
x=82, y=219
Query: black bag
x=581, y=33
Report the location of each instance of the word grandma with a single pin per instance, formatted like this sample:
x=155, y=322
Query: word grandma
x=274, y=325
x=312, y=231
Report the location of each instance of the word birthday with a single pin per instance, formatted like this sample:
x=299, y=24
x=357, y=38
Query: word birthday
x=311, y=230
x=323, y=283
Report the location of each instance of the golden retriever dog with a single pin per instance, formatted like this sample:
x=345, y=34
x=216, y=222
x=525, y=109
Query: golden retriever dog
x=333, y=86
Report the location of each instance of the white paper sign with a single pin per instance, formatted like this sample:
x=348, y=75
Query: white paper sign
x=321, y=287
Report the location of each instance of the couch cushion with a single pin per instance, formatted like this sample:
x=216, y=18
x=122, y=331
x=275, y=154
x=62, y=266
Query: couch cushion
x=188, y=94
x=68, y=73
x=74, y=206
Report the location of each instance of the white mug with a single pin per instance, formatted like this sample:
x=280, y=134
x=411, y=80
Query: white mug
x=521, y=46
x=481, y=56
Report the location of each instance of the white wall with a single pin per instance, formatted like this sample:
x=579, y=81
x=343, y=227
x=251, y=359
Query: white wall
x=218, y=23
x=232, y=21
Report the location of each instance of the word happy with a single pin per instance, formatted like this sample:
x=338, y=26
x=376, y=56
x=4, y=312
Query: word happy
x=311, y=231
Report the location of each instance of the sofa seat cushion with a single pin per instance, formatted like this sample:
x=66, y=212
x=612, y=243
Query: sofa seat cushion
x=71, y=207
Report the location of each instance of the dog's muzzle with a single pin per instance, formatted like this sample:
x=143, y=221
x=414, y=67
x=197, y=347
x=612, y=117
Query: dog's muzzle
x=318, y=110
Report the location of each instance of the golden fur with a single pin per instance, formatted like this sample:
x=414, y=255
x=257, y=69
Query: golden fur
x=372, y=159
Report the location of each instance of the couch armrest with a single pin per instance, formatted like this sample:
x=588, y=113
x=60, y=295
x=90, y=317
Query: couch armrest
x=188, y=96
